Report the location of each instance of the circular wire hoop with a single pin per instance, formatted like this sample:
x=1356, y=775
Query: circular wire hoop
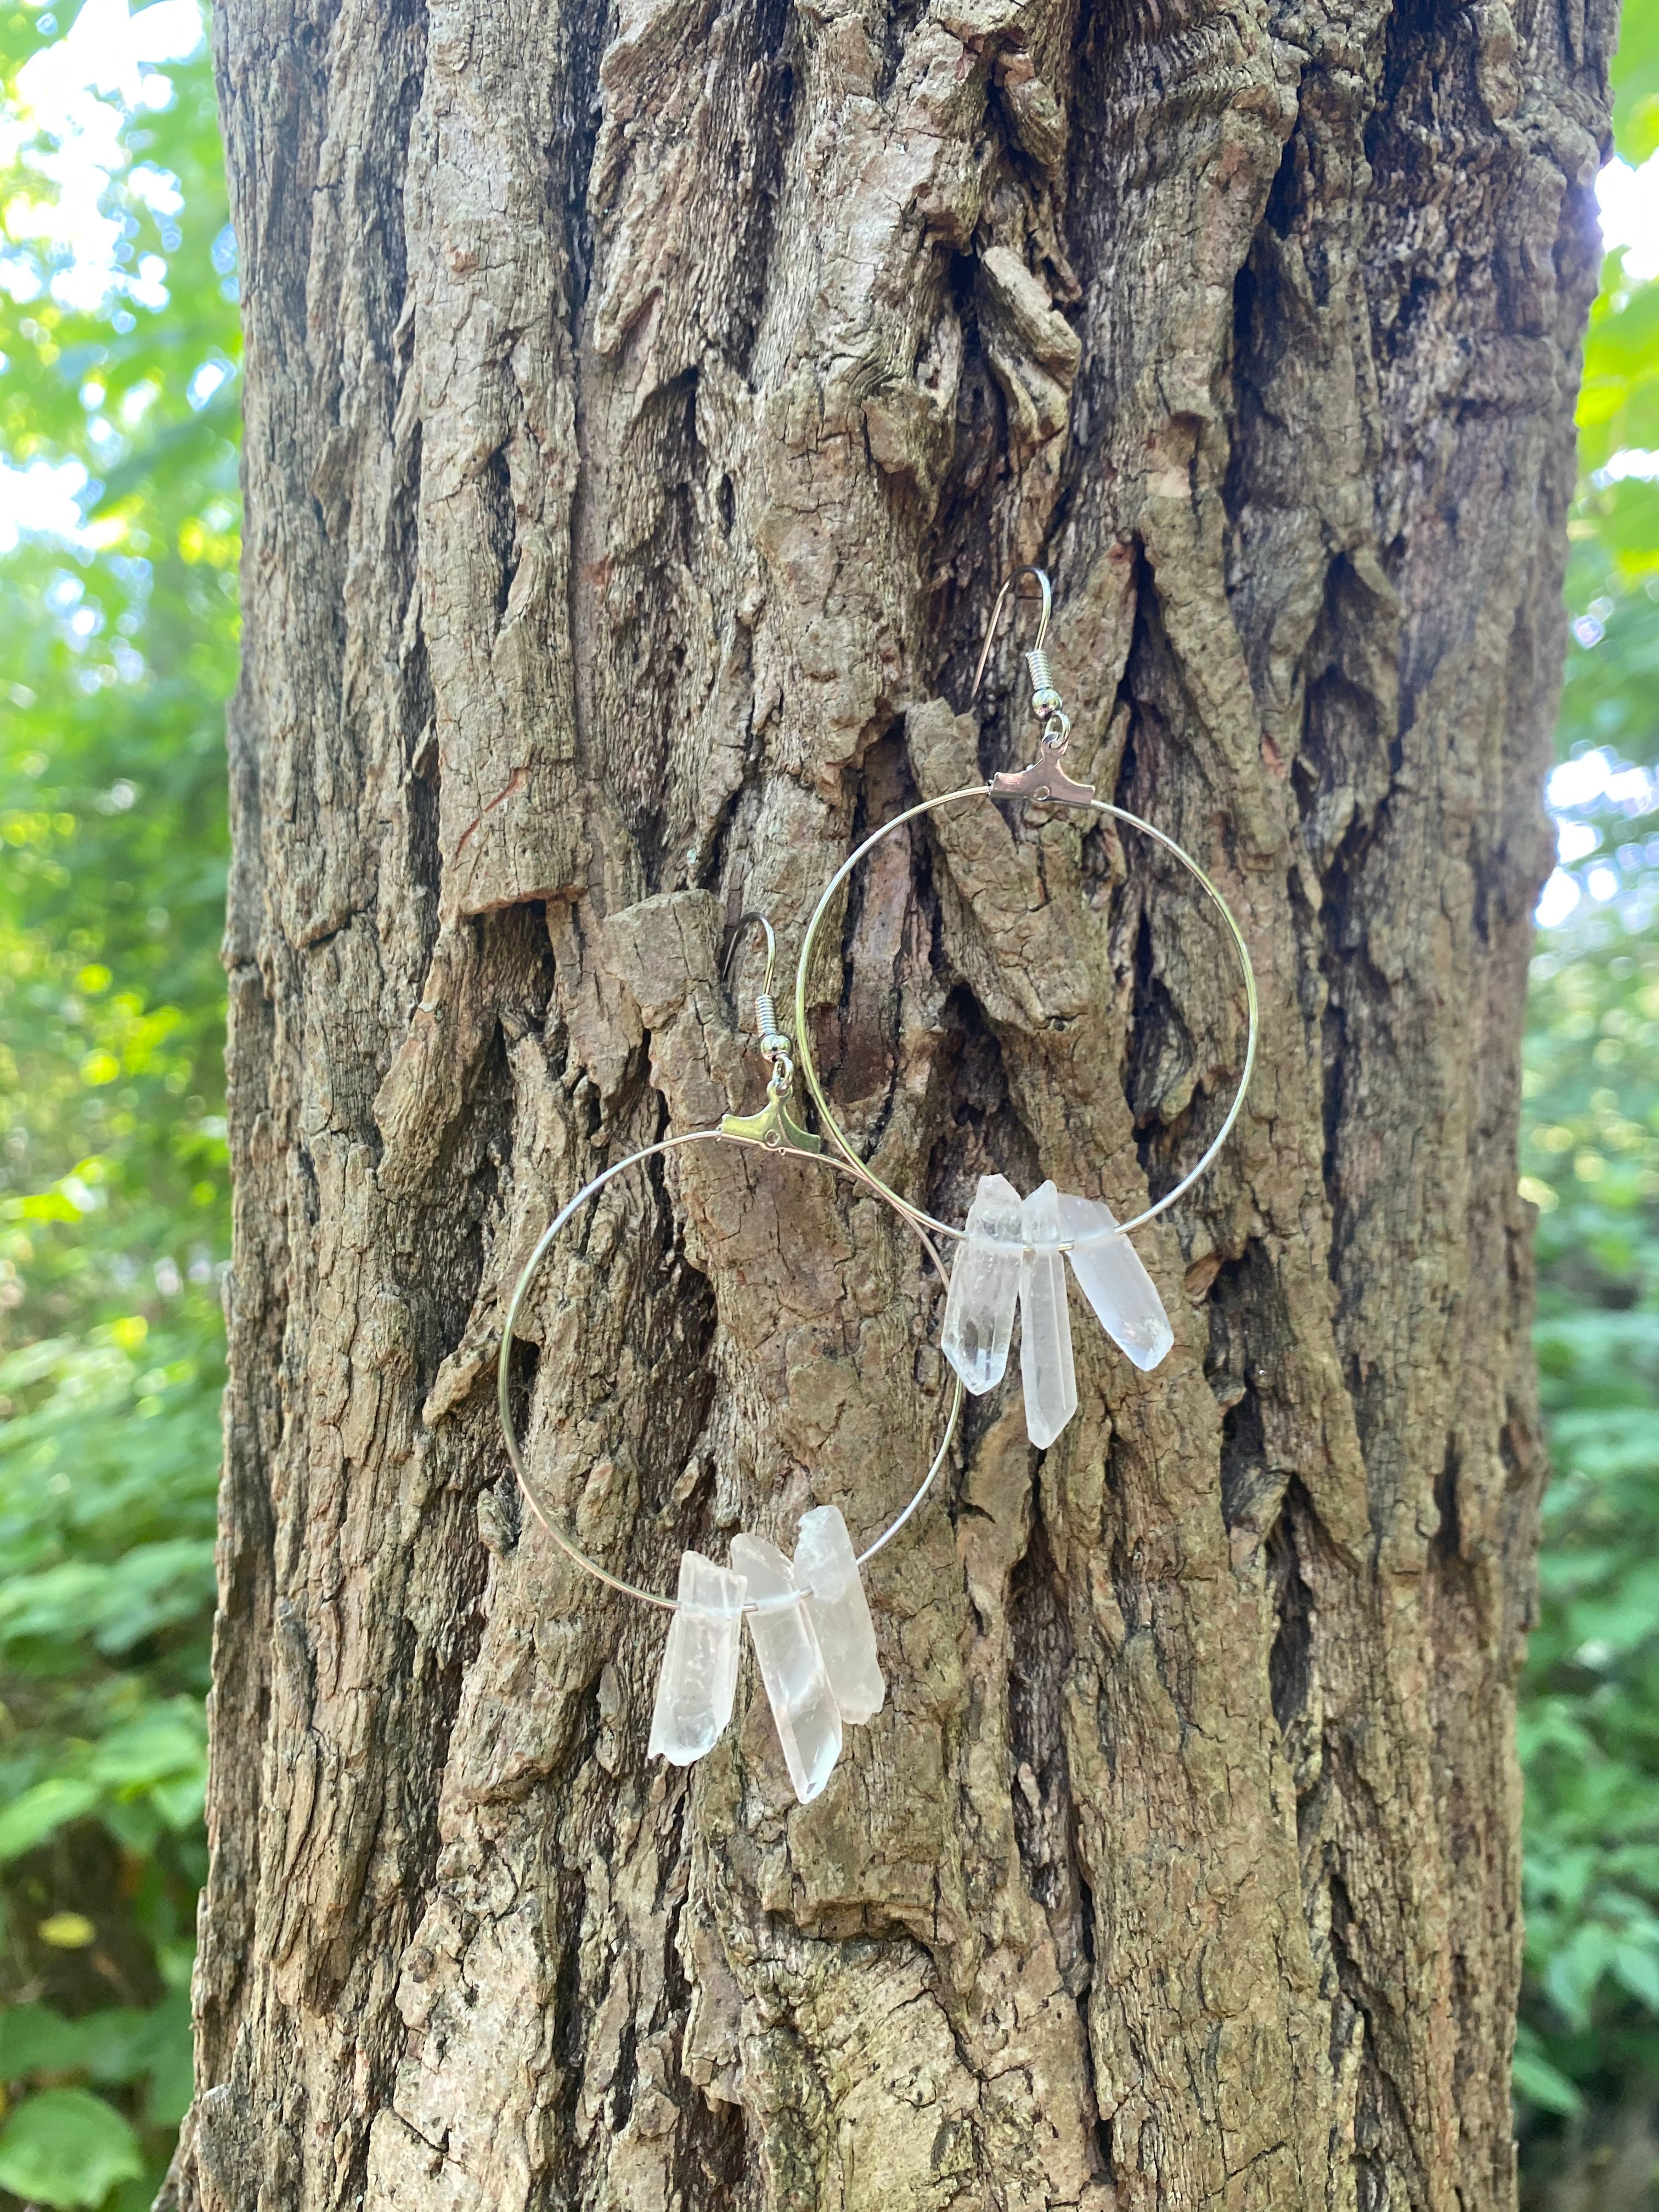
x=832, y=1128
x=531, y=1267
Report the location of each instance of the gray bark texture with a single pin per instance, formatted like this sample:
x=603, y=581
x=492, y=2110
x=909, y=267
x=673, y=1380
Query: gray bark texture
x=644, y=402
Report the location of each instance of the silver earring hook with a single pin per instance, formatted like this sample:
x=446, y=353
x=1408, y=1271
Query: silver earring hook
x=1047, y=592
x=773, y=1040
x=1046, y=703
x=737, y=928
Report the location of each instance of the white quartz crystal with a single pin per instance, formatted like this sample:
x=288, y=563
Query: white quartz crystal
x=1045, y=1322
x=698, y=1675
x=1110, y=1276
x=791, y=1664
x=826, y=1567
x=979, y=1313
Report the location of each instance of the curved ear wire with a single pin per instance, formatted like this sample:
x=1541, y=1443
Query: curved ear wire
x=1046, y=592
x=741, y=923
x=1045, y=778
x=773, y=1040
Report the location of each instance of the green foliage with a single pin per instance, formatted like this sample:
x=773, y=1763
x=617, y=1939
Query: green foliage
x=1635, y=83
x=1618, y=400
x=1611, y=696
x=1590, y=1727
x=117, y=654
x=67, y=2147
x=1589, y=2043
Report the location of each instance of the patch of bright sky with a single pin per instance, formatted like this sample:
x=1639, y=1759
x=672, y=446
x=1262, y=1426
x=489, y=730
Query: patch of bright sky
x=1630, y=215
x=44, y=497
x=1599, y=783
x=76, y=94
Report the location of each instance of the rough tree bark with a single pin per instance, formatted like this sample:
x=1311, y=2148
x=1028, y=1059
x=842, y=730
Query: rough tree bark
x=643, y=404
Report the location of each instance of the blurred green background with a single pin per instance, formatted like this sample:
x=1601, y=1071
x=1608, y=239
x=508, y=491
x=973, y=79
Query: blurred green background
x=119, y=518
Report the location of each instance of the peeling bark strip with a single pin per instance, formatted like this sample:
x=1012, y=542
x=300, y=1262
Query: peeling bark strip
x=644, y=404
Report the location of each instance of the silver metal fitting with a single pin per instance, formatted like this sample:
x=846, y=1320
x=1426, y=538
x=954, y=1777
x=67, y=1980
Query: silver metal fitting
x=1046, y=700
x=774, y=1125
x=773, y=1039
x=1046, y=703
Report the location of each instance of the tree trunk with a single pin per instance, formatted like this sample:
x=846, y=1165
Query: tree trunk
x=643, y=406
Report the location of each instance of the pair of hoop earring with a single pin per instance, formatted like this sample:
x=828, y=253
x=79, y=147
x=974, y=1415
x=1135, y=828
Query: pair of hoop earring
x=809, y=1619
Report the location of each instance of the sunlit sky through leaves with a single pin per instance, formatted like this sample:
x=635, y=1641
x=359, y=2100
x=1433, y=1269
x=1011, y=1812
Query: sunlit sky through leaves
x=1630, y=212
x=75, y=95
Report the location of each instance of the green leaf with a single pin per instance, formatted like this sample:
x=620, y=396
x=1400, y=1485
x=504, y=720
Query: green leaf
x=166, y=1743
x=1638, y=1970
x=1541, y=2084
x=34, y=2039
x=117, y=2045
x=1626, y=521
x=66, y=2147
x=1618, y=400
x=171, y=2049
x=1636, y=83
x=34, y=1815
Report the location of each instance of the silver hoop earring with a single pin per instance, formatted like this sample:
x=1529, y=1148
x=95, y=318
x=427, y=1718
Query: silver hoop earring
x=809, y=1620
x=1009, y=1252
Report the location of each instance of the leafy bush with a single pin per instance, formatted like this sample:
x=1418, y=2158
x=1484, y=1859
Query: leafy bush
x=1590, y=1726
x=117, y=416
x=1586, y=2062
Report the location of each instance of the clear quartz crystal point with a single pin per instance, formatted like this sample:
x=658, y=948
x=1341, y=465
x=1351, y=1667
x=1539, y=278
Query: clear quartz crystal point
x=1045, y=1322
x=979, y=1313
x=791, y=1664
x=1110, y=1276
x=827, y=1568
x=699, y=1676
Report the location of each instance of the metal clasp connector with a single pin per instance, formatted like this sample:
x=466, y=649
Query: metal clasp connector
x=774, y=1125
x=1045, y=778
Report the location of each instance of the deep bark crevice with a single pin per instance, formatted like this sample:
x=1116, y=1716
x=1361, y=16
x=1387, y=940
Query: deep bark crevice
x=570, y=157
x=1290, y=1660
x=1043, y=1653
